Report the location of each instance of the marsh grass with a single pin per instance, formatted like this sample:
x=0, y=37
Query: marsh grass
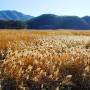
x=44, y=59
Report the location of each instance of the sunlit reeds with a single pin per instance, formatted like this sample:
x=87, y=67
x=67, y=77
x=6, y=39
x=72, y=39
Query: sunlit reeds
x=44, y=59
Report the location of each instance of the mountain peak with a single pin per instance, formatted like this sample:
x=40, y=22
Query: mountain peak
x=14, y=15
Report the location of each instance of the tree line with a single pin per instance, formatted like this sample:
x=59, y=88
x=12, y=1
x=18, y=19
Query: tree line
x=49, y=21
x=11, y=24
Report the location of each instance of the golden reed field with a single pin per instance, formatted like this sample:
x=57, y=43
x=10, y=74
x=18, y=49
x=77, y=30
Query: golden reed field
x=44, y=59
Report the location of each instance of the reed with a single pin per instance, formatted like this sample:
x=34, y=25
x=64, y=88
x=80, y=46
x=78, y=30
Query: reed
x=40, y=60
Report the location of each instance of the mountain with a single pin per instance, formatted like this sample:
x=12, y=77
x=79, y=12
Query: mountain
x=74, y=22
x=14, y=15
x=45, y=21
x=51, y=21
x=86, y=19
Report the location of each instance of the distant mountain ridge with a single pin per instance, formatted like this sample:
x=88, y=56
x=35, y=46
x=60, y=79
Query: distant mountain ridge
x=44, y=21
x=14, y=15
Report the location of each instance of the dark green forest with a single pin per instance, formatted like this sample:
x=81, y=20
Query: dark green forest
x=49, y=21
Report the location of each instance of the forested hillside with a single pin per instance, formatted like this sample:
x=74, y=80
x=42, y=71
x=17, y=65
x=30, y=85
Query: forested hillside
x=49, y=21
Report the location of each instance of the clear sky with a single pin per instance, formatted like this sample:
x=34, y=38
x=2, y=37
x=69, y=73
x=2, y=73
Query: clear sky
x=58, y=7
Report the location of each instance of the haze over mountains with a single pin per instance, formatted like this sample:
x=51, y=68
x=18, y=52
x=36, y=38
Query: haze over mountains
x=45, y=21
x=14, y=15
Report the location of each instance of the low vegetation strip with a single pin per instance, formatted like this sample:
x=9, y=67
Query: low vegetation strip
x=41, y=60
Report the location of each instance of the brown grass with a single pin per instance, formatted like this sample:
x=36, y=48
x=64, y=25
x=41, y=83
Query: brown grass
x=39, y=59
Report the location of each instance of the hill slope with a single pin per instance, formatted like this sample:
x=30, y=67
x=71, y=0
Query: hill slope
x=87, y=19
x=14, y=15
x=51, y=21
x=45, y=21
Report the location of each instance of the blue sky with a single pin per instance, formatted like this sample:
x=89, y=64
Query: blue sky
x=37, y=7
